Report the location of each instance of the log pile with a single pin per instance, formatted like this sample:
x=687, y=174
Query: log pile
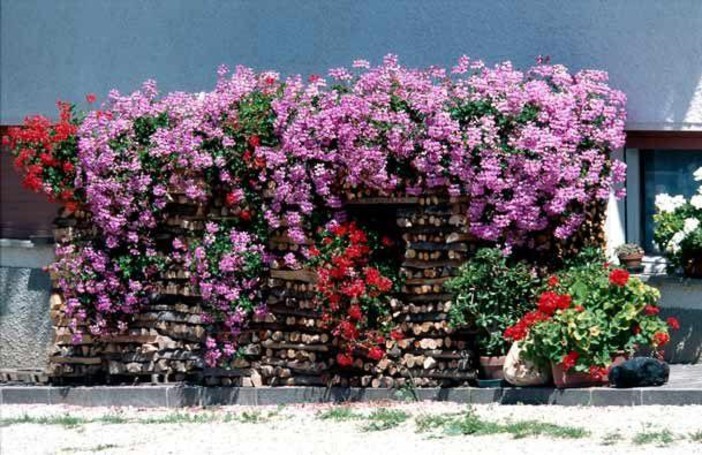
x=290, y=346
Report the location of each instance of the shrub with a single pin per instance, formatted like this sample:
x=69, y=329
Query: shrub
x=493, y=295
x=678, y=227
x=589, y=315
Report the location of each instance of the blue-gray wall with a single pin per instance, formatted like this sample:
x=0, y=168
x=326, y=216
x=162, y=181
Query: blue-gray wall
x=64, y=48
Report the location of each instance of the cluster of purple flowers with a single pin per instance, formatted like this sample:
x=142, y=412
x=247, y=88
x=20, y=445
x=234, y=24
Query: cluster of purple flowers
x=530, y=151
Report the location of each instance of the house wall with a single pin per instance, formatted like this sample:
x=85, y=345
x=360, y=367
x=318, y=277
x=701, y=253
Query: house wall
x=64, y=49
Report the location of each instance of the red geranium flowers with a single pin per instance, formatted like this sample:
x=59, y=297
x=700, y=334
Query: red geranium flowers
x=619, y=277
x=350, y=288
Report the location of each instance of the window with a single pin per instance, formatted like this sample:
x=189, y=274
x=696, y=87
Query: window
x=664, y=171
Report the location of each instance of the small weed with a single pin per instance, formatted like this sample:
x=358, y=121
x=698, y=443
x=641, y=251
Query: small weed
x=179, y=417
x=471, y=424
x=526, y=428
x=97, y=448
x=659, y=438
x=611, y=438
x=696, y=436
x=112, y=419
x=339, y=414
x=407, y=392
x=428, y=422
x=67, y=421
x=385, y=419
x=252, y=417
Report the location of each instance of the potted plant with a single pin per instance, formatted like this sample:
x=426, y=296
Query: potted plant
x=491, y=294
x=630, y=256
x=587, y=319
x=678, y=230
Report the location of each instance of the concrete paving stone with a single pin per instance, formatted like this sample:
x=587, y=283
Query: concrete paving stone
x=184, y=396
x=223, y=396
x=485, y=396
x=571, y=397
x=289, y=395
x=675, y=397
x=456, y=395
x=604, y=396
x=519, y=395
x=25, y=395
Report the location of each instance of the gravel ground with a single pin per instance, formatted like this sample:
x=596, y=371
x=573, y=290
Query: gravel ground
x=299, y=429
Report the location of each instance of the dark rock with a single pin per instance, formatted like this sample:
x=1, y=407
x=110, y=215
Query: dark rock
x=639, y=372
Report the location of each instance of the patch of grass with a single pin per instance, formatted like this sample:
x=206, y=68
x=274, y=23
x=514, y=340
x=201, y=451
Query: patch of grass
x=469, y=423
x=611, y=438
x=384, y=419
x=428, y=422
x=339, y=414
x=696, y=436
x=179, y=417
x=67, y=421
x=252, y=417
x=527, y=428
x=660, y=438
x=97, y=448
x=112, y=419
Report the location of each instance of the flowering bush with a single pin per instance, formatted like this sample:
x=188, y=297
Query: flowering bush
x=227, y=269
x=353, y=293
x=530, y=149
x=46, y=154
x=493, y=295
x=678, y=230
x=588, y=315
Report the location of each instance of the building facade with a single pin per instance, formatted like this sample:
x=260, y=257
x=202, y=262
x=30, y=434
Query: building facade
x=64, y=49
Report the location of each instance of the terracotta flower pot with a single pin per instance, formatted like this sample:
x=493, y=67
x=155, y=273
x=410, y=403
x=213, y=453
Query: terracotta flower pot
x=632, y=260
x=572, y=379
x=491, y=367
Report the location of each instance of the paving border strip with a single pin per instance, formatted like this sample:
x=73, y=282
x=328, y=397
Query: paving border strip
x=185, y=396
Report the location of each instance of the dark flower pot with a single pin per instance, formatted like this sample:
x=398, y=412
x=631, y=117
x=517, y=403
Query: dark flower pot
x=693, y=267
x=491, y=367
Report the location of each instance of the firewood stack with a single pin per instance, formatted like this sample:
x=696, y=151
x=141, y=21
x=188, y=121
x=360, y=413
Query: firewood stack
x=289, y=346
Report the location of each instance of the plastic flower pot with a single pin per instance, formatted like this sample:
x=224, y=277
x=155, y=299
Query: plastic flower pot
x=491, y=367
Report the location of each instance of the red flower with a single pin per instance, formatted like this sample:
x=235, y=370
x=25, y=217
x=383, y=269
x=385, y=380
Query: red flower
x=619, y=277
x=661, y=338
x=339, y=230
x=90, y=98
x=673, y=323
x=245, y=215
x=397, y=335
x=355, y=312
x=386, y=241
x=651, y=310
x=254, y=141
x=579, y=308
x=636, y=329
x=552, y=281
x=516, y=332
x=357, y=236
x=569, y=360
x=68, y=167
x=548, y=302
x=375, y=353
x=348, y=330
x=563, y=301
x=231, y=199
x=313, y=78
x=598, y=372
x=355, y=289
x=344, y=360
x=313, y=251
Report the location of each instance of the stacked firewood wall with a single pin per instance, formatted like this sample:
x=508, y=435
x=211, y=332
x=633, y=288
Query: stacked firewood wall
x=289, y=346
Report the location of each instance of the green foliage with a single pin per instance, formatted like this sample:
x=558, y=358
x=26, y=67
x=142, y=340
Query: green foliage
x=603, y=320
x=384, y=419
x=339, y=414
x=493, y=294
x=659, y=438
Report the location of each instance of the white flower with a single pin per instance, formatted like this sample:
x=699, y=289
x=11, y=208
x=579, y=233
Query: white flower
x=696, y=201
x=666, y=203
x=691, y=224
x=674, y=244
x=698, y=174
